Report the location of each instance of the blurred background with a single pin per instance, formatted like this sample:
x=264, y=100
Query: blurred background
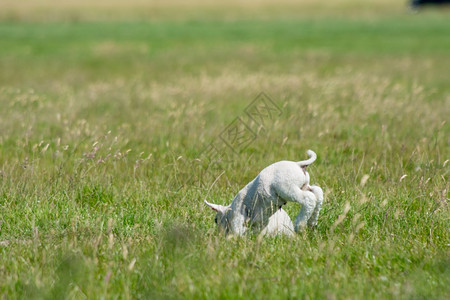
x=154, y=69
x=71, y=10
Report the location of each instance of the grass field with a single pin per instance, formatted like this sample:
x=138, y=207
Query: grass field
x=106, y=109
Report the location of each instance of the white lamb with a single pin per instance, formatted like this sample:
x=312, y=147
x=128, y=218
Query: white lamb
x=277, y=184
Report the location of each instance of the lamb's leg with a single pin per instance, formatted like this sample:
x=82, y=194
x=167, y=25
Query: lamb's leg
x=308, y=205
x=319, y=199
x=305, y=198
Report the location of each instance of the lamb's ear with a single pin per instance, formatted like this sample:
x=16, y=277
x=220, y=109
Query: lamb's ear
x=217, y=207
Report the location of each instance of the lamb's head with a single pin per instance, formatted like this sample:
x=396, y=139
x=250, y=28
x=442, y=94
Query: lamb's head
x=222, y=216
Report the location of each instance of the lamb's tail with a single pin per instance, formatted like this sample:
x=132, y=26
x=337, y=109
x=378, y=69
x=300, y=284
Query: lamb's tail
x=312, y=157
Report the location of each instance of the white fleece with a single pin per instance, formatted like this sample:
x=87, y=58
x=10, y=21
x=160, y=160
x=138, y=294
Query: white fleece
x=277, y=184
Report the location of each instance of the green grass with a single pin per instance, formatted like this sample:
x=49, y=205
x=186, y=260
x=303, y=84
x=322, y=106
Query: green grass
x=101, y=123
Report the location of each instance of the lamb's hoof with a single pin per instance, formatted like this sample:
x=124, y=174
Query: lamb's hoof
x=300, y=228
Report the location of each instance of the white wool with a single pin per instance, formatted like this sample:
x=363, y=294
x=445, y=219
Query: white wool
x=277, y=184
x=279, y=224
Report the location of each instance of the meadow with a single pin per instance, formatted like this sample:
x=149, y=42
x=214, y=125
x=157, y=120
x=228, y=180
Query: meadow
x=107, y=109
